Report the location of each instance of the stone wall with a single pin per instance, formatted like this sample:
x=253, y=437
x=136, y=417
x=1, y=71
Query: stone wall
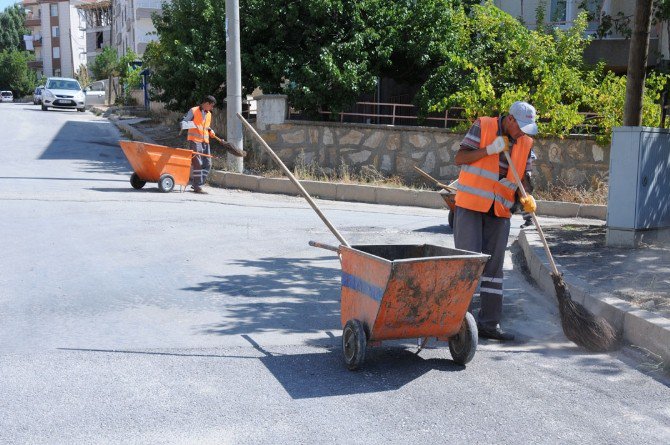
x=395, y=150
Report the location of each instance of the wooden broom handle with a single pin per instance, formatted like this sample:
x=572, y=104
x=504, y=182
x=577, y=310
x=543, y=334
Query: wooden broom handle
x=532, y=214
x=288, y=173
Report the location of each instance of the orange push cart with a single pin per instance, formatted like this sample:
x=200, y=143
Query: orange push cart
x=392, y=292
x=157, y=163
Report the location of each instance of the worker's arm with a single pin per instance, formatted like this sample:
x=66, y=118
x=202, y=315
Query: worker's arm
x=468, y=155
x=187, y=121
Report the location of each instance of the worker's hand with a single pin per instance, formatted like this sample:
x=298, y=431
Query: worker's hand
x=528, y=203
x=498, y=145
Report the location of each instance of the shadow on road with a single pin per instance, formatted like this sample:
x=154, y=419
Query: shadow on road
x=92, y=142
x=323, y=374
x=294, y=295
x=442, y=228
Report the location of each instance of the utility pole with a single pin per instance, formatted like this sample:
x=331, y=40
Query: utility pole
x=233, y=82
x=637, y=63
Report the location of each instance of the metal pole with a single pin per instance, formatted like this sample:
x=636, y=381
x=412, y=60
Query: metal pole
x=233, y=82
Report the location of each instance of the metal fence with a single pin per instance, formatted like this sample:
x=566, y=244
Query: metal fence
x=408, y=114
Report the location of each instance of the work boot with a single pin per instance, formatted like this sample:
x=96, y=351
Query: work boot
x=494, y=333
x=527, y=223
x=199, y=190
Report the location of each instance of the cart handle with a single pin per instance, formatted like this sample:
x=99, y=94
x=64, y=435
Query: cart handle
x=324, y=246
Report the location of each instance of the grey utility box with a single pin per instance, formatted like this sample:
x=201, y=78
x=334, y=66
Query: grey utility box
x=638, y=205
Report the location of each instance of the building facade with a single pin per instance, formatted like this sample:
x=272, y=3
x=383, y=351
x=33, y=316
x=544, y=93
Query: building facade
x=58, y=37
x=132, y=28
x=97, y=15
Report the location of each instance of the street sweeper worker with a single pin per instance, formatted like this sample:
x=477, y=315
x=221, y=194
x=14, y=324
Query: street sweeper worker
x=486, y=193
x=198, y=123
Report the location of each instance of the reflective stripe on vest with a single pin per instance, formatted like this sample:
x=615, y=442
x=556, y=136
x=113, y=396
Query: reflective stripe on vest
x=200, y=133
x=479, y=186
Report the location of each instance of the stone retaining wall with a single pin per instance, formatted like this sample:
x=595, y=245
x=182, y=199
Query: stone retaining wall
x=395, y=150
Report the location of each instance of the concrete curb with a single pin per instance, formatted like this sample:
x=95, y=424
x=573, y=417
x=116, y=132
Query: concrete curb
x=639, y=327
x=383, y=195
x=136, y=134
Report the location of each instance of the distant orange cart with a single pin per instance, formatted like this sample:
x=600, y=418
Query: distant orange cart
x=157, y=163
x=392, y=292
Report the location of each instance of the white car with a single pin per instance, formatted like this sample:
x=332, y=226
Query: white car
x=37, y=95
x=7, y=96
x=63, y=92
x=96, y=93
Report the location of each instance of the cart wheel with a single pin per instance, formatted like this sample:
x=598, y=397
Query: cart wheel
x=353, y=344
x=136, y=182
x=450, y=218
x=464, y=344
x=166, y=183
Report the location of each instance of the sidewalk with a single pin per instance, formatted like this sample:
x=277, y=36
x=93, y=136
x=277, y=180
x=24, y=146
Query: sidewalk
x=629, y=287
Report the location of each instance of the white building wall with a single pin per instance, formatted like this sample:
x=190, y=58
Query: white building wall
x=64, y=24
x=77, y=39
x=46, y=40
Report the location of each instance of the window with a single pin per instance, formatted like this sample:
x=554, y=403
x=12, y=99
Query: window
x=54, y=9
x=99, y=40
x=57, y=72
x=55, y=31
x=56, y=52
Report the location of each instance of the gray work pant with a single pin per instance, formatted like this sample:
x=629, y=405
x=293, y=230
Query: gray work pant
x=483, y=233
x=201, y=165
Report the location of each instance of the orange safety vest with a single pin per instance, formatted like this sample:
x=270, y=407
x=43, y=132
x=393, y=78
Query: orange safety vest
x=479, y=185
x=201, y=132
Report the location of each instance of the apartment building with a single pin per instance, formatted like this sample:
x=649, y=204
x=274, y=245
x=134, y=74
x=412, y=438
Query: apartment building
x=614, y=47
x=132, y=27
x=57, y=37
x=97, y=15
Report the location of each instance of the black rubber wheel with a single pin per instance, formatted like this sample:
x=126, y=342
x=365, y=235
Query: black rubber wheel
x=353, y=344
x=44, y=108
x=166, y=183
x=81, y=110
x=136, y=182
x=464, y=344
x=450, y=218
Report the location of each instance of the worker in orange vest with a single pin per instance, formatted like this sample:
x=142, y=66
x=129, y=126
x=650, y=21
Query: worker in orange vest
x=486, y=193
x=198, y=121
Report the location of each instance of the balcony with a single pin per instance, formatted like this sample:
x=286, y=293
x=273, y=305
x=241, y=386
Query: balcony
x=33, y=22
x=145, y=8
x=35, y=64
x=37, y=42
x=30, y=2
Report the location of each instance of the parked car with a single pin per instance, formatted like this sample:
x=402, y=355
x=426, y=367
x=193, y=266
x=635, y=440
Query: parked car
x=7, y=96
x=96, y=93
x=37, y=95
x=63, y=92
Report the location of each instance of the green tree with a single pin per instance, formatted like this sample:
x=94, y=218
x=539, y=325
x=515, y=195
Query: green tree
x=314, y=51
x=15, y=74
x=106, y=66
x=189, y=61
x=12, y=28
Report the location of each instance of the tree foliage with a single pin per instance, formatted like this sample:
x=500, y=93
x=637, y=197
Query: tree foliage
x=15, y=74
x=12, y=28
x=189, y=62
x=325, y=53
x=105, y=64
x=314, y=51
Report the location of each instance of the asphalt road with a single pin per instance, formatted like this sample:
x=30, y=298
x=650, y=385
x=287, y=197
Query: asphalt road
x=140, y=317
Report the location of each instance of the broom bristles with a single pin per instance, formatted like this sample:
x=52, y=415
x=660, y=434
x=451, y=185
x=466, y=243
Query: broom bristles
x=581, y=326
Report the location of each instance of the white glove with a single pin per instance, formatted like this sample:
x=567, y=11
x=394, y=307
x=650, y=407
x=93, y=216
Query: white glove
x=498, y=145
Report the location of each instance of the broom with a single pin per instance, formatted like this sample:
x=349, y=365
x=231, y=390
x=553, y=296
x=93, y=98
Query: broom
x=579, y=325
